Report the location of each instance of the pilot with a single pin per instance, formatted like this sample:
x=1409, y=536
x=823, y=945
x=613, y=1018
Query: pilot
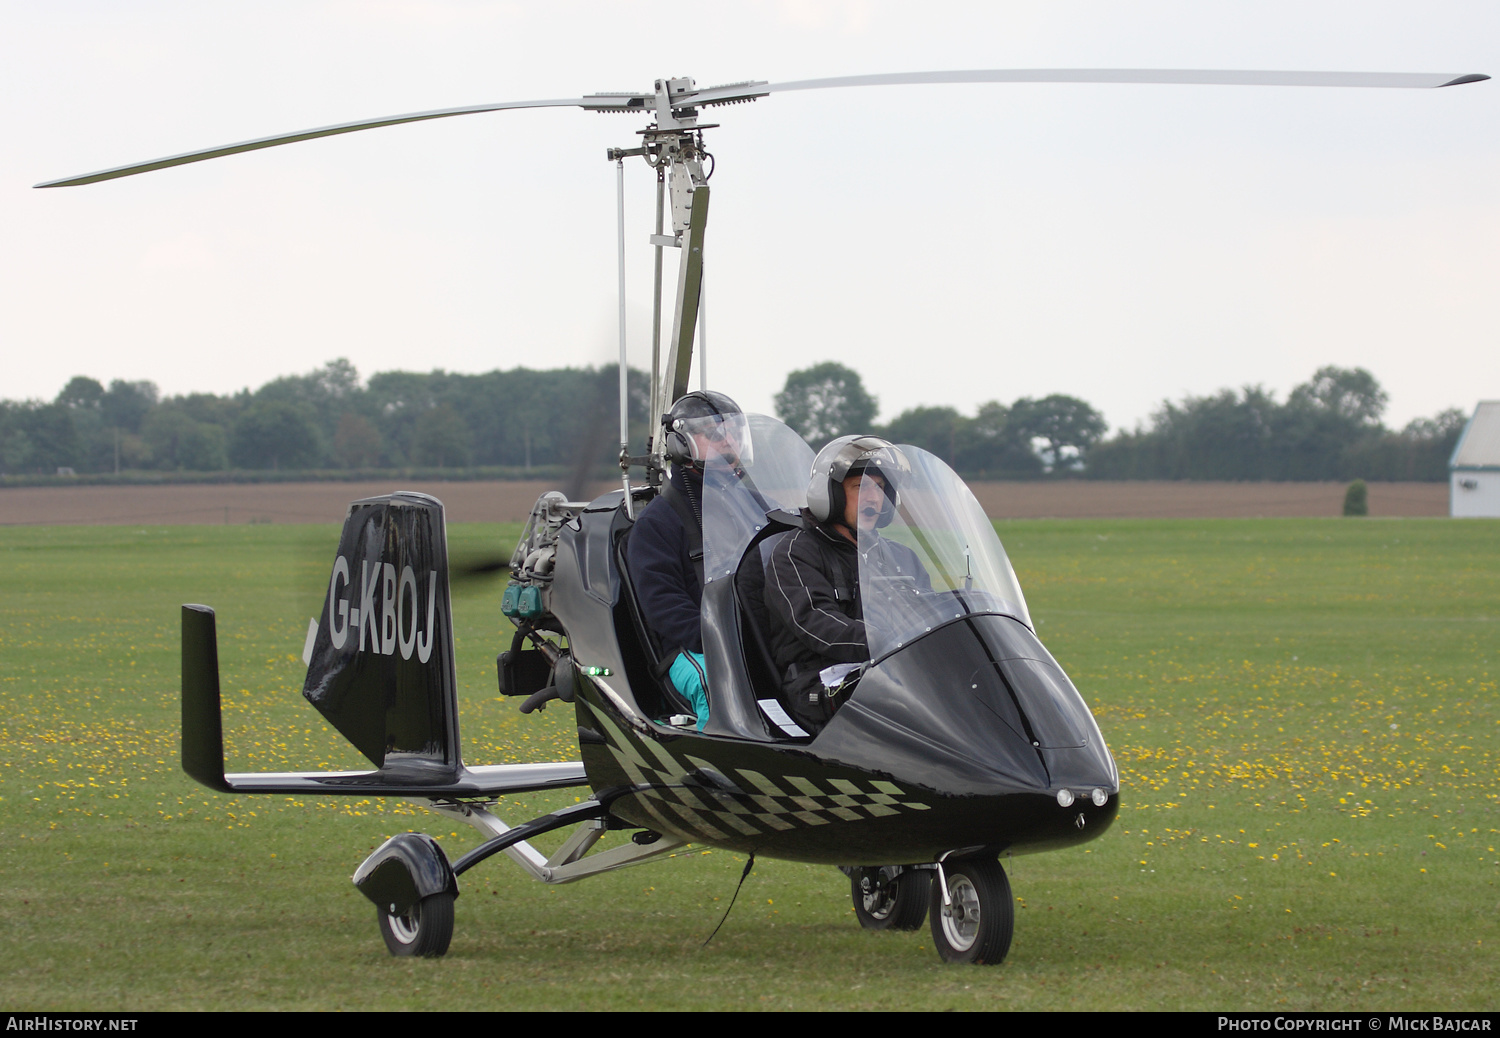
x=812, y=579
x=665, y=551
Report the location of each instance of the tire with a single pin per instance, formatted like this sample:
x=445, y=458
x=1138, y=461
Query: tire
x=978, y=927
x=891, y=902
x=423, y=931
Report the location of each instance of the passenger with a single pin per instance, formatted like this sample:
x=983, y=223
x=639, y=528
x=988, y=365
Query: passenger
x=812, y=589
x=665, y=552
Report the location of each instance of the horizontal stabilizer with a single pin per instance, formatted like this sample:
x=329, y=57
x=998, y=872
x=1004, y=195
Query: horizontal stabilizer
x=203, y=747
x=491, y=780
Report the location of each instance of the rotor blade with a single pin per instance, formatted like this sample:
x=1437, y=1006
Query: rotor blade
x=1221, y=77
x=626, y=102
x=597, y=102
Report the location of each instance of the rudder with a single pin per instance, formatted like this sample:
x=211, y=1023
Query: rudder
x=382, y=667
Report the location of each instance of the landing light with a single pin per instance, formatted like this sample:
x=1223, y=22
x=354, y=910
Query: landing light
x=1064, y=798
x=1099, y=797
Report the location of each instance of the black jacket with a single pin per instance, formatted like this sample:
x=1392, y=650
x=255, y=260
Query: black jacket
x=812, y=596
x=665, y=577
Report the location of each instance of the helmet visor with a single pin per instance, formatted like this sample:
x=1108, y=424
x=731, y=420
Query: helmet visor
x=720, y=436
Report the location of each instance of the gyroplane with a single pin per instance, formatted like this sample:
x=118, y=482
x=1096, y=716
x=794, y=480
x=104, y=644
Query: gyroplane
x=958, y=741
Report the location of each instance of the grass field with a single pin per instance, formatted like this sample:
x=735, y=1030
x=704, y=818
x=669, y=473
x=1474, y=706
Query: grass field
x=1305, y=715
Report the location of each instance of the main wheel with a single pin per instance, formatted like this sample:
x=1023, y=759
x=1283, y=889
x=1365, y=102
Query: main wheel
x=977, y=926
x=885, y=899
x=425, y=929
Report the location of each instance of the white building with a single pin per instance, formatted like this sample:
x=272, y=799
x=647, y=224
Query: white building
x=1474, y=470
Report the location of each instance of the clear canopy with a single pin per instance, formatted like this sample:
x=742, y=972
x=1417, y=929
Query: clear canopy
x=928, y=553
x=769, y=472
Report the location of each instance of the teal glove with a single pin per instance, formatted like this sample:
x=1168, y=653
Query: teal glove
x=687, y=673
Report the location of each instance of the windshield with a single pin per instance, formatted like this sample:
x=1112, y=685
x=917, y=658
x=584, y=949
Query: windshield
x=928, y=553
x=738, y=491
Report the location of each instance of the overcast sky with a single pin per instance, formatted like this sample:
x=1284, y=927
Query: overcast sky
x=953, y=244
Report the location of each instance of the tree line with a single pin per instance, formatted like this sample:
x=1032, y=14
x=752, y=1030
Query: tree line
x=1328, y=428
x=328, y=419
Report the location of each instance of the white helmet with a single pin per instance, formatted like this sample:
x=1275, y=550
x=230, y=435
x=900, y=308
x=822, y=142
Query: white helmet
x=854, y=456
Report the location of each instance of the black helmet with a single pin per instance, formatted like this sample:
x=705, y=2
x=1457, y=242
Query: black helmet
x=711, y=415
x=854, y=456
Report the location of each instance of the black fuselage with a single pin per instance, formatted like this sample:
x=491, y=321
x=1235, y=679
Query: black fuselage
x=961, y=740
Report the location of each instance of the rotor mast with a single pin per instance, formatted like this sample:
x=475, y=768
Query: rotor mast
x=673, y=146
x=680, y=140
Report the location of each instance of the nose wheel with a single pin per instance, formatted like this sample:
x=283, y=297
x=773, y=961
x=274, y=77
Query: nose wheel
x=422, y=930
x=977, y=923
x=890, y=898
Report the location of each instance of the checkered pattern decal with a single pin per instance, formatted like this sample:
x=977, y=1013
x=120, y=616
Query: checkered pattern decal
x=765, y=804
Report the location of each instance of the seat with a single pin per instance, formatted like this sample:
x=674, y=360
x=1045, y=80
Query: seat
x=755, y=619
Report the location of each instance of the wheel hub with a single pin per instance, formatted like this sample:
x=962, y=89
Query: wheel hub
x=878, y=895
x=404, y=927
x=961, y=915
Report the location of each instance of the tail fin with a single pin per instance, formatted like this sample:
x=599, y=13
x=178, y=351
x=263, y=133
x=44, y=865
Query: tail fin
x=202, y=726
x=381, y=672
x=381, y=669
